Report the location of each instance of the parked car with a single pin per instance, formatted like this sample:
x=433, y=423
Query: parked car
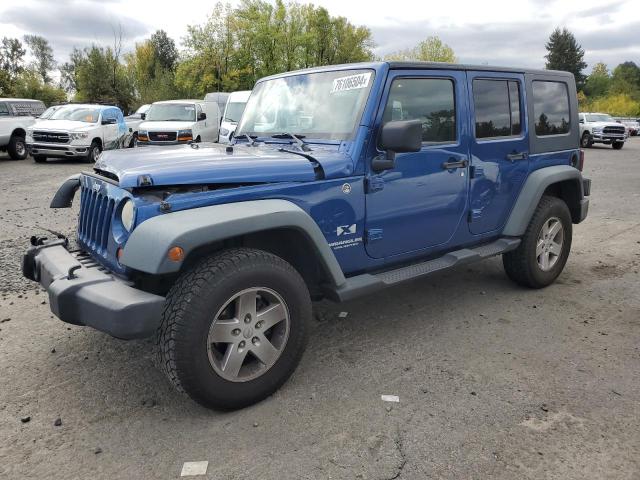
x=633, y=127
x=179, y=121
x=77, y=131
x=601, y=128
x=232, y=113
x=16, y=115
x=341, y=181
x=133, y=122
x=220, y=98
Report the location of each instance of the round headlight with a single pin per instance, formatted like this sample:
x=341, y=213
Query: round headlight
x=127, y=215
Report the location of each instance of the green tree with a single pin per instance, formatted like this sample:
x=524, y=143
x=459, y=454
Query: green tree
x=11, y=64
x=598, y=81
x=430, y=50
x=165, y=49
x=31, y=85
x=43, y=56
x=626, y=80
x=565, y=53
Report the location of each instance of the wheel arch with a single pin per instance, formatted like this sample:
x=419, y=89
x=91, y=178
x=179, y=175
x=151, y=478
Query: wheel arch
x=19, y=131
x=276, y=226
x=561, y=181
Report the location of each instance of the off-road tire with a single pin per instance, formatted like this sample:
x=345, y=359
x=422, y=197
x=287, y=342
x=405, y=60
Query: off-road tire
x=191, y=306
x=17, y=148
x=617, y=145
x=39, y=158
x=521, y=264
x=586, y=141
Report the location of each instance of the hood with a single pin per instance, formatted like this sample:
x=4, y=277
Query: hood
x=165, y=126
x=65, y=125
x=210, y=163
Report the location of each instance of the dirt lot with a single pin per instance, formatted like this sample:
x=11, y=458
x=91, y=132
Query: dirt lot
x=494, y=381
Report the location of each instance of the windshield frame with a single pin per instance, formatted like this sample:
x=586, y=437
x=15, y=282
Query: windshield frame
x=176, y=104
x=314, y=137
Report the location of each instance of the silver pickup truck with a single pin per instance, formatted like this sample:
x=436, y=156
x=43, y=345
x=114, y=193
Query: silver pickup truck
x=601, y=128
x=16, y=115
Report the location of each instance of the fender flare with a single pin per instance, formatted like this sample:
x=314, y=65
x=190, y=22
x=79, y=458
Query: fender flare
x=532, y=192
x=147, y=247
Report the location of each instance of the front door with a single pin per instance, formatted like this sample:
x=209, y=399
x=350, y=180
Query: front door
x=421, y=202
x=499, y=149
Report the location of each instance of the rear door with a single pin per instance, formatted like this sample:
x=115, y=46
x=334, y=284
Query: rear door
x=499, y=147
x=420, y=203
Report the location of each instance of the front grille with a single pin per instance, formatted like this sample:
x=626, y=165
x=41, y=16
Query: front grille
x=94, y=224
x=618, y=130
x=50, y=137
x=163, y=136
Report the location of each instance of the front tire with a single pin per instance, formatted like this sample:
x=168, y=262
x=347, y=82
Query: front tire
x=545, y=246
x=586, y=141
x=617, y=145
x=94, y=150
x=234, y=328
x=17, y=148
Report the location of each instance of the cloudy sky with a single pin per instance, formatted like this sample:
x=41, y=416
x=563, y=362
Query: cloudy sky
x=496, y=32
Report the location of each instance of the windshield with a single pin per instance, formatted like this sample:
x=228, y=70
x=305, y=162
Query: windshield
x=77, y=114
x=325, y=105
x=48, y=112
x=234, y=110
x=601, y=117
x=172, y=112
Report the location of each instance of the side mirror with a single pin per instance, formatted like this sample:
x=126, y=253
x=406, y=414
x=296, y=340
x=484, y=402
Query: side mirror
x=202, y=116
x=581, y=120
x=143, y=116
x=400, y=136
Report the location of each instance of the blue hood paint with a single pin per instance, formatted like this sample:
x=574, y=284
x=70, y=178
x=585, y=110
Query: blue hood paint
x=212, y=164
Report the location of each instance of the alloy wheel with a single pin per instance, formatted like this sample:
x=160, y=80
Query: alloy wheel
x=549, y=245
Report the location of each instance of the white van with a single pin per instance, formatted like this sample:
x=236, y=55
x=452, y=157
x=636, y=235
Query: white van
x=232, y=113
x=179, y=121
x=220, y=98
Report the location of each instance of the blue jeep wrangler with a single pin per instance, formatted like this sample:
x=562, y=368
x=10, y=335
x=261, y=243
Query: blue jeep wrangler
x=341, y=181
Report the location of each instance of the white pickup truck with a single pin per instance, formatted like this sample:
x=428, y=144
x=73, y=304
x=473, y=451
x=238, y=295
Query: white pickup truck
x=601, y=128
x=16, y=115
x=77, y=131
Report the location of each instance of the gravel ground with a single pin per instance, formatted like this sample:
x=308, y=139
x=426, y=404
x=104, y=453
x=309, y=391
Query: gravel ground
x=494, y=381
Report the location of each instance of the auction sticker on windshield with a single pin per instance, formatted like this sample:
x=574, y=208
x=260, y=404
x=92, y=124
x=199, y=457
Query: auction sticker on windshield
x=352, y=82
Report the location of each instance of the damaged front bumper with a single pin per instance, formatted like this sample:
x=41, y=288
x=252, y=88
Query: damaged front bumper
x=82, y=292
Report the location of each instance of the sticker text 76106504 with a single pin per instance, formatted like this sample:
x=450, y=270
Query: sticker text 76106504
x=352, y=82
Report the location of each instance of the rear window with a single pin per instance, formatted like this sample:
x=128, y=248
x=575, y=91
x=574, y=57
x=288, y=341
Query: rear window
x=551, y=108
x=4, y=110
x=497, y=108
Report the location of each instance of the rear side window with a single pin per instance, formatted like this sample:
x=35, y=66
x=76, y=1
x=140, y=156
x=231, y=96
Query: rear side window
x=4, y=110
x=497, y=108
x=551, y=108
x=430, y=100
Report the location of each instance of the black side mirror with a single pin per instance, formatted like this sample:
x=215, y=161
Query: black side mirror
x=400, y=136
x=202, y=116
x=143, y=116
x=581, y=120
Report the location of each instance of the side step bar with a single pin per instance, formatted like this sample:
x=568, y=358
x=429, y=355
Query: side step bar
x=368, y=283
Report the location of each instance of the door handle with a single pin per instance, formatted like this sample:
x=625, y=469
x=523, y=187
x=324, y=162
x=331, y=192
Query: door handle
x=453, y=163
x=512, y=157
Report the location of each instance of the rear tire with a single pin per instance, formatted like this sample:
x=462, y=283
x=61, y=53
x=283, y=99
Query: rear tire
x=617, y=145
x=198, y=358
x=39, y=159
x=545, y=246
x=17, y=148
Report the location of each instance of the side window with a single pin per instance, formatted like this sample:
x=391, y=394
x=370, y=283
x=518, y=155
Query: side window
x=497, y=108
x=198, y=111
x=430, y=100
x=551, y=108
x=4, y=110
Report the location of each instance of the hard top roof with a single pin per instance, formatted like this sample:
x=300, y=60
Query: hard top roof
x=20, y=100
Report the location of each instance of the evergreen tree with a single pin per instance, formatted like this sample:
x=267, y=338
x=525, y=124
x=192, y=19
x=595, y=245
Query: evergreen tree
x=565, y=53
x=43, y=56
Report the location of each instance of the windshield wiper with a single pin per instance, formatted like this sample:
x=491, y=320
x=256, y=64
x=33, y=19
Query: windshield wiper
x=250, y=139
x=297, y=138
